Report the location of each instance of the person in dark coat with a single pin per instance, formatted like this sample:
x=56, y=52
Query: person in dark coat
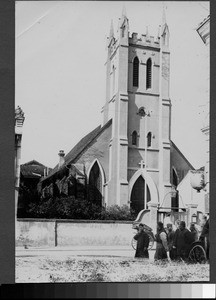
x=142, y=239
x=182, y=242
x=175, y=239
x=204, y=237
x=194, y=232
x=161, y=243
x=204, y=220
x=170, y=240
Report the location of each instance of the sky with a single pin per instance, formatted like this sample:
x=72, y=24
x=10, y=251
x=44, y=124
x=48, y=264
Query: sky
x=60, y=71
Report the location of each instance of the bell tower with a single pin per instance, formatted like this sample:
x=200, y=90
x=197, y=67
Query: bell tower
x=116, y=108
x=137, y=101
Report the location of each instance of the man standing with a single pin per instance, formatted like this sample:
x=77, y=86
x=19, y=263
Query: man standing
x=142, y=239
x=182, y=241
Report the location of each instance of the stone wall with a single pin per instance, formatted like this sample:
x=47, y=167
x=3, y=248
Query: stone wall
x=33, y=232
x=50, y=233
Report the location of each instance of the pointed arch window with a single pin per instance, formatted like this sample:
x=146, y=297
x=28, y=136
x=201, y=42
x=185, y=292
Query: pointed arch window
x=149, y=139
x=134, y=138
x=174, y=178
x=149, y=74
x=175, y=198
x=95, y=185
x=136, y=72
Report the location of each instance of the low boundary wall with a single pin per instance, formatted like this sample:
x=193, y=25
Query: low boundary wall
x=51, y=233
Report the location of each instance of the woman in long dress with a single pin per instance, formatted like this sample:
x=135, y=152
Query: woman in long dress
x=161, y=243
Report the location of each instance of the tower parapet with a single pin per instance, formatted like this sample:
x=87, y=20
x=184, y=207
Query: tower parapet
x=144, y=40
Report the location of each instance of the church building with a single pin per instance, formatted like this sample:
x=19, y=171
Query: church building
x=130, y=158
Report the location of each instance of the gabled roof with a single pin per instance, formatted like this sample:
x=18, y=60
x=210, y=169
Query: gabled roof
x=183, y=180
x=32, y=169
x=177, y=149
x=33, y=162
x=203, y=22
x=80, y=147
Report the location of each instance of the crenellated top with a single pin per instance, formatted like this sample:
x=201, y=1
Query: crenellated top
x=144, y=40
x=124, y=38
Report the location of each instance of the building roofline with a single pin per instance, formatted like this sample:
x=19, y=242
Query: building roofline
x=31, y=162
x=98, y=130
x=182, y=155
x=90, y=141
x=203, y=22
x=183, y=179
x=200, y=26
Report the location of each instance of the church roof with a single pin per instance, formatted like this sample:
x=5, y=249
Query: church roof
x=80, y=147
x=32, y=169
x=180, y=153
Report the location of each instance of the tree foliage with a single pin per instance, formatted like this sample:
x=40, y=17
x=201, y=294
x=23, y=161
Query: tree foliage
x=71, y=208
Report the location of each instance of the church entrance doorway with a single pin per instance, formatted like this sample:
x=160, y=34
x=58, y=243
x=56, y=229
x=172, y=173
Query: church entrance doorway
x=138, y=196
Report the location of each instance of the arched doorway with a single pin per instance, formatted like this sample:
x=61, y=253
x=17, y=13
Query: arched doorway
x=137, y=200
x=95, y=185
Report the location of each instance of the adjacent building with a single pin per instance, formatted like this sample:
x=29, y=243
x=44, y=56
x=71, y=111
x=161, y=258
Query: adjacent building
x=204, y=32
x=30, y=176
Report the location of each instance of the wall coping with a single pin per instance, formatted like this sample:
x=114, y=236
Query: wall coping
x=73, y=221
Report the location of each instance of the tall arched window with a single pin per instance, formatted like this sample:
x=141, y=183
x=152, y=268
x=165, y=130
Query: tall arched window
x=136, y=72
x=149, y=137
x=149, y=74
x=95, y=185
x=175, y=199
x=134, y=138
x=174, y=178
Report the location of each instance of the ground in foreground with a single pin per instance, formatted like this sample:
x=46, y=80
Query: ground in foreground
x=105, y=269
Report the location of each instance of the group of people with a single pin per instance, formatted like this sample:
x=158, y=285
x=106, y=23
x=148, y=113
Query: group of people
x=170, y=243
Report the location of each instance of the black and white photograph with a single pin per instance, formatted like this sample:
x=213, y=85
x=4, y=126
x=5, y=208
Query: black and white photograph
x=112, y=141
